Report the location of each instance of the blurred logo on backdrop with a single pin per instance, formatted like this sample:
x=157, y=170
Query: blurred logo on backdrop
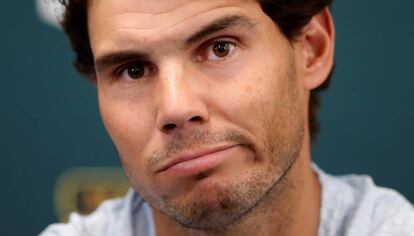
x=83, y=189
x=49, y=11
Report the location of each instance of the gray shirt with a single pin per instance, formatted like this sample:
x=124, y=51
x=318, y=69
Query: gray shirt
x=352, y=205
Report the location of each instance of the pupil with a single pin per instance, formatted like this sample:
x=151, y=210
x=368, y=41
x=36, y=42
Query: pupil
x=135, y=71
x=222, y=49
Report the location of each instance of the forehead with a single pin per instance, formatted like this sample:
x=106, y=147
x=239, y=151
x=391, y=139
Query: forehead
x=156, y=10
x=111, y=20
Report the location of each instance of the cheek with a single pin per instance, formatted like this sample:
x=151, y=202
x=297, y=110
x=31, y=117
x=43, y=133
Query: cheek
x=262, y=97
x=246, y=101
x=129, y=128
x=130, y=132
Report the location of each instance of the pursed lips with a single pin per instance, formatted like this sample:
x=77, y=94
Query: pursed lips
x=190, y=155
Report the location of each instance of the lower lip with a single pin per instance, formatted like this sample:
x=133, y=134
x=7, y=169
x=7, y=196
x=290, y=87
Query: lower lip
x=199, y=164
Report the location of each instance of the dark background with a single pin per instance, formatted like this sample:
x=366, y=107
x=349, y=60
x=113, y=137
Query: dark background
x=49, y=119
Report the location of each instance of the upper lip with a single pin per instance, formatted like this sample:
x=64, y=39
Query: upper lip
x=188, y=154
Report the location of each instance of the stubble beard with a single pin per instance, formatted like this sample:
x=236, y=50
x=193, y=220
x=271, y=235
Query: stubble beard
x=225, y=205
x=232, y=201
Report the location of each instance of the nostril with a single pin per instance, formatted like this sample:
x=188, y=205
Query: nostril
x=169, y=127
x=196, y=119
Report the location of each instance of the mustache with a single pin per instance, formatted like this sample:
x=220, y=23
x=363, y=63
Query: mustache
x=197, y=138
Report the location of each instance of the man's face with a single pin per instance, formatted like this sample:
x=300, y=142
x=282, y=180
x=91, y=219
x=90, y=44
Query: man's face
x=202, y=101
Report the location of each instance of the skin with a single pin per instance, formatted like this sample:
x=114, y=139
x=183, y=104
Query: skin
x=250, y=103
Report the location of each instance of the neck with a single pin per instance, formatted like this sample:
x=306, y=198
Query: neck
x=293, y=211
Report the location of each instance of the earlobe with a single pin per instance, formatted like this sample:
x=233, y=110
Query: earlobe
x=316, y=49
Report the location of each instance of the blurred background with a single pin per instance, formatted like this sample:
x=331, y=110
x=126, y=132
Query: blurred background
x=51, y=132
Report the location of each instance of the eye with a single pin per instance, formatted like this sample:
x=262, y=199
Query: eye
x=135, y=71
x=218, y=51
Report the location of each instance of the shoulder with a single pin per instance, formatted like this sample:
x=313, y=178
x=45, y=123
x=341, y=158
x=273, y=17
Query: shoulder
x=112, y=217
x=383, y=211
x=354, y=205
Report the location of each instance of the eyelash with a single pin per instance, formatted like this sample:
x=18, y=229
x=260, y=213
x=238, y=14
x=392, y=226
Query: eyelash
x=210, y=44
x=124, y=68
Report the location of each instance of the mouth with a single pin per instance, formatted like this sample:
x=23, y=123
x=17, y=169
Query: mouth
x=193, y=162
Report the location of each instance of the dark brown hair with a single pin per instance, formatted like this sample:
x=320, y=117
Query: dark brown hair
x=289, y=15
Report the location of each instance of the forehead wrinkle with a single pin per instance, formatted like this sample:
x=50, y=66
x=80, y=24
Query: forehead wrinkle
x=151, y=19
x=149, y=32
x=231, y=11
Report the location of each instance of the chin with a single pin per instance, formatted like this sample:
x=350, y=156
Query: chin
x=216, y=202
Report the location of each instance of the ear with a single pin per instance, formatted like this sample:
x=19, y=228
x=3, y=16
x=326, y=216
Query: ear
x=315, y=50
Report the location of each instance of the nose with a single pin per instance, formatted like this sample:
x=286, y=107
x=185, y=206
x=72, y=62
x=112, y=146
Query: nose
x=180, y=101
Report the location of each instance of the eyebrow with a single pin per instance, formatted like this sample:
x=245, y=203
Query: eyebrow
x=120, y=57
x=116, y=58
x=221, y=24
